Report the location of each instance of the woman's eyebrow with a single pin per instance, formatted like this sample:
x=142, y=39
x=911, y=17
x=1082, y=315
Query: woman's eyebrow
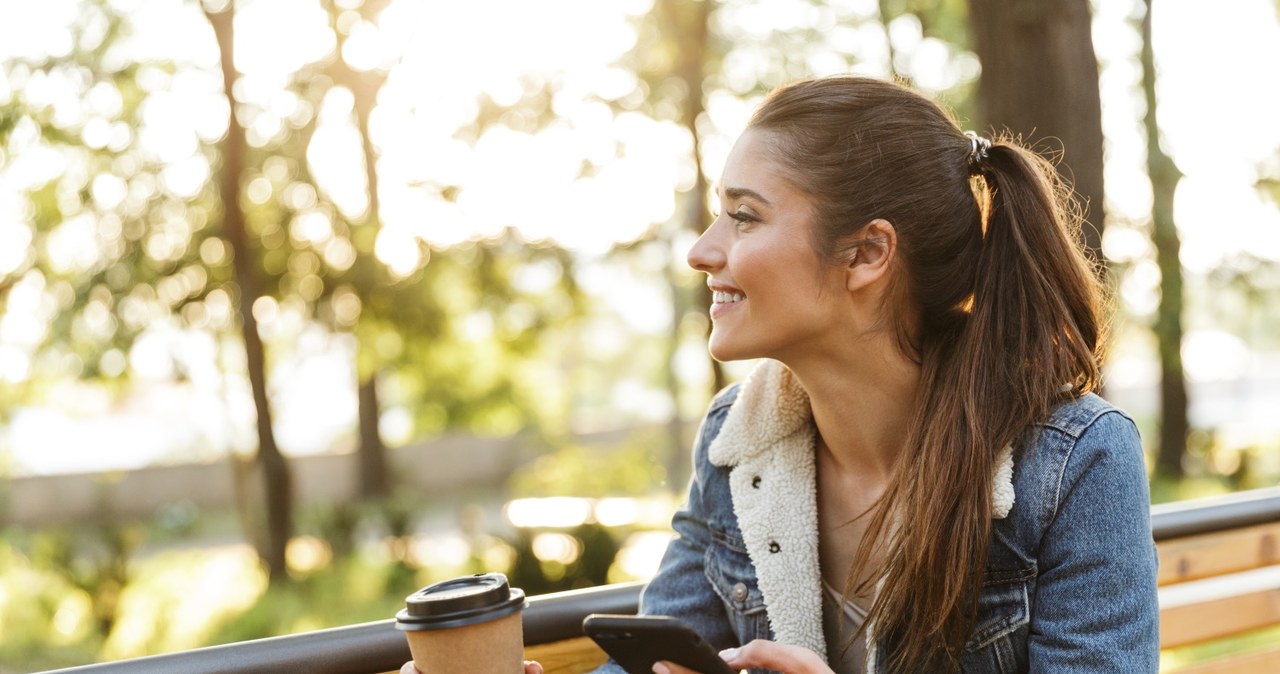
x=743, y=192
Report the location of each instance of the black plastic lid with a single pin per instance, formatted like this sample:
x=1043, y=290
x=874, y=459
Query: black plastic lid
x=460, y=602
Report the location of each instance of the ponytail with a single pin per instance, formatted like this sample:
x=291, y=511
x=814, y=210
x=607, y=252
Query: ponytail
x=1035, y=288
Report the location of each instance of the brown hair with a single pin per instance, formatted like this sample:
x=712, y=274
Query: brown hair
x=995, y=300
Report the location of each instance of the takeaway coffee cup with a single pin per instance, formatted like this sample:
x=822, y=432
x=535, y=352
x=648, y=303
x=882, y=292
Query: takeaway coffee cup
x=469, y=624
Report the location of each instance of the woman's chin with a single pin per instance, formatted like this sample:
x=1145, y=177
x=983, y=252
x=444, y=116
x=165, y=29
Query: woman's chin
x=724, y=351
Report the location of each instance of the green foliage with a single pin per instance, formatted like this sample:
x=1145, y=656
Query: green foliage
x=156, y=257
x=114, y=246
x=1174, y=659
x=93, y=559
x=1213, y=468
x=44, y=618
x=598, y=549
x=631, y=467
x=354, y=589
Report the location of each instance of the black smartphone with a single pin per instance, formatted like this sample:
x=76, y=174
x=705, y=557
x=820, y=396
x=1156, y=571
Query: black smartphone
x=637, y=642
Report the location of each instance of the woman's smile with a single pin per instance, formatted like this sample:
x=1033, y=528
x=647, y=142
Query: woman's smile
x=724, y=300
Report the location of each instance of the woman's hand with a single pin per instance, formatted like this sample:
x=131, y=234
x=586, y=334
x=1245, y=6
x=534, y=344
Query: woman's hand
x=762, y=654
x=530, y=667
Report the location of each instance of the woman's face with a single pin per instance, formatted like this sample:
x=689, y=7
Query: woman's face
x=772, y=295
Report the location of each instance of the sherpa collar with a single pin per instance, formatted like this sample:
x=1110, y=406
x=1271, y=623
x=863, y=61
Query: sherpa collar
x=768, y=440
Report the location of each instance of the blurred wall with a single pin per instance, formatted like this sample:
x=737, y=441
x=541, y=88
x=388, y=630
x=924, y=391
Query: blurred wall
x=445, y=465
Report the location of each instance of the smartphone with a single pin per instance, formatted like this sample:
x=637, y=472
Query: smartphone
x=636, y=642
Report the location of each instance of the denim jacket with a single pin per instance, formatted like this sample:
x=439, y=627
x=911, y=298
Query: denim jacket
x=1070, y=584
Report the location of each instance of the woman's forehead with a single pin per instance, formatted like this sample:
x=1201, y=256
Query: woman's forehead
x=752, y=172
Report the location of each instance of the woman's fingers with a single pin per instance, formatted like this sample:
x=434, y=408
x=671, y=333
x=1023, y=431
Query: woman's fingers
x=772, y=655
x=531, y=667
x=408, y=668
x=761, y=654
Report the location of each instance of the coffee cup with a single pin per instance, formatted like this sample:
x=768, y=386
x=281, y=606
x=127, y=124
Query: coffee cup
x=469, y=624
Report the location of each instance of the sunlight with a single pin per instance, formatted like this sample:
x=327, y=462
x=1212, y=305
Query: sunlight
x=642, y=552
x=560, y=512
x=155, y=609
x=264, y=50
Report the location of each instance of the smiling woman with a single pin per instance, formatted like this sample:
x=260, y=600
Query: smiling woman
x=872, y=498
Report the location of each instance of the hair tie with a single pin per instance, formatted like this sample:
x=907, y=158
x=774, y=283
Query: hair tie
x=978, y=147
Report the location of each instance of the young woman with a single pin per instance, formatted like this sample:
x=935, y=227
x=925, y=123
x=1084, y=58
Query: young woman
x=916, y=477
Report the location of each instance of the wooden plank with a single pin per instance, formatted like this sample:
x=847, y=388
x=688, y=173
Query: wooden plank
x=1203, y=610
x=1215, y=554
x=1266, y=661
x=571, y=656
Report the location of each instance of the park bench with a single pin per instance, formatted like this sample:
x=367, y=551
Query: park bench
x=1219, y=577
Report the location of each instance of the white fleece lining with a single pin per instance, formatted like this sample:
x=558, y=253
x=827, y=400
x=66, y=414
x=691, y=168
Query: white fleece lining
x=768, y=441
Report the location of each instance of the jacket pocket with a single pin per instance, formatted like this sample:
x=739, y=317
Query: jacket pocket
x=999, y=641
x=729, y=571
x=1004, y=605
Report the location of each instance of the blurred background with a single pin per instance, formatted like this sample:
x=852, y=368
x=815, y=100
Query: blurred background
x=307, y=303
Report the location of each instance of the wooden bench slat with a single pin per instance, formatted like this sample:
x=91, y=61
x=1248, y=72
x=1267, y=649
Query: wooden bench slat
x=1219, y=553
x=1208, y=609
x=571, y=656
x=1266, y=661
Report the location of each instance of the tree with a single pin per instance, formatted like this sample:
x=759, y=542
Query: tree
x=277, y=481
x=1040, y=79
x=1165, y=176
x=149, y=256
x=364, y=86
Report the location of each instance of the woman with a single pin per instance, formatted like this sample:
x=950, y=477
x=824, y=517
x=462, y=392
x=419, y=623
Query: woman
x=916, y=477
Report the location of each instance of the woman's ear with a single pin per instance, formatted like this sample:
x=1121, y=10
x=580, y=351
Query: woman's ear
x=871, y=256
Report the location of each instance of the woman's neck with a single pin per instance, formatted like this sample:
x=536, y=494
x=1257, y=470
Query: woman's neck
x=863, y=401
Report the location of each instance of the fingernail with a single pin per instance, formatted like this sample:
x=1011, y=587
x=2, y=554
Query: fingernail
x=661, y=668
x=729, y=654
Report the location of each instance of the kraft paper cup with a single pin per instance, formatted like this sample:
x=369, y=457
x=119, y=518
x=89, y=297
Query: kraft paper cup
x=470, y=624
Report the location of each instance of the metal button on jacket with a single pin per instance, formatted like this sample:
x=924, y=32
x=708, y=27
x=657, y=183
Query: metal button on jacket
x=740, y=592
x=774, y=547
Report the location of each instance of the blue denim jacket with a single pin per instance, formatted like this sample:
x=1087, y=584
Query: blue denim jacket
x=1071, y=574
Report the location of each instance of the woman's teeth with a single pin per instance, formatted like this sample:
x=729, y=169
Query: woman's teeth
x=723, y=297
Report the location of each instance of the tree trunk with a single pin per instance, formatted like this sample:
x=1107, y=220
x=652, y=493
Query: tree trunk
x=1164, y=176
x=1040, y=80
x=364, y=86
x=275, y=470
x=374, y=482
x=373, y=455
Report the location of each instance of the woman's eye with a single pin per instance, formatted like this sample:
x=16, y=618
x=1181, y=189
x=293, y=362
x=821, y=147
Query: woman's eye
x=743, y=217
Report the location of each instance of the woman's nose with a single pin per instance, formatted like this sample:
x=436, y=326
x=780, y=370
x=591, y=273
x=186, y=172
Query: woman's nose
x=707, y=253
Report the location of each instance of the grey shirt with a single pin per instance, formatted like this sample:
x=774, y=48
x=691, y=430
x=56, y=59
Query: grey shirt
x=841, y=620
